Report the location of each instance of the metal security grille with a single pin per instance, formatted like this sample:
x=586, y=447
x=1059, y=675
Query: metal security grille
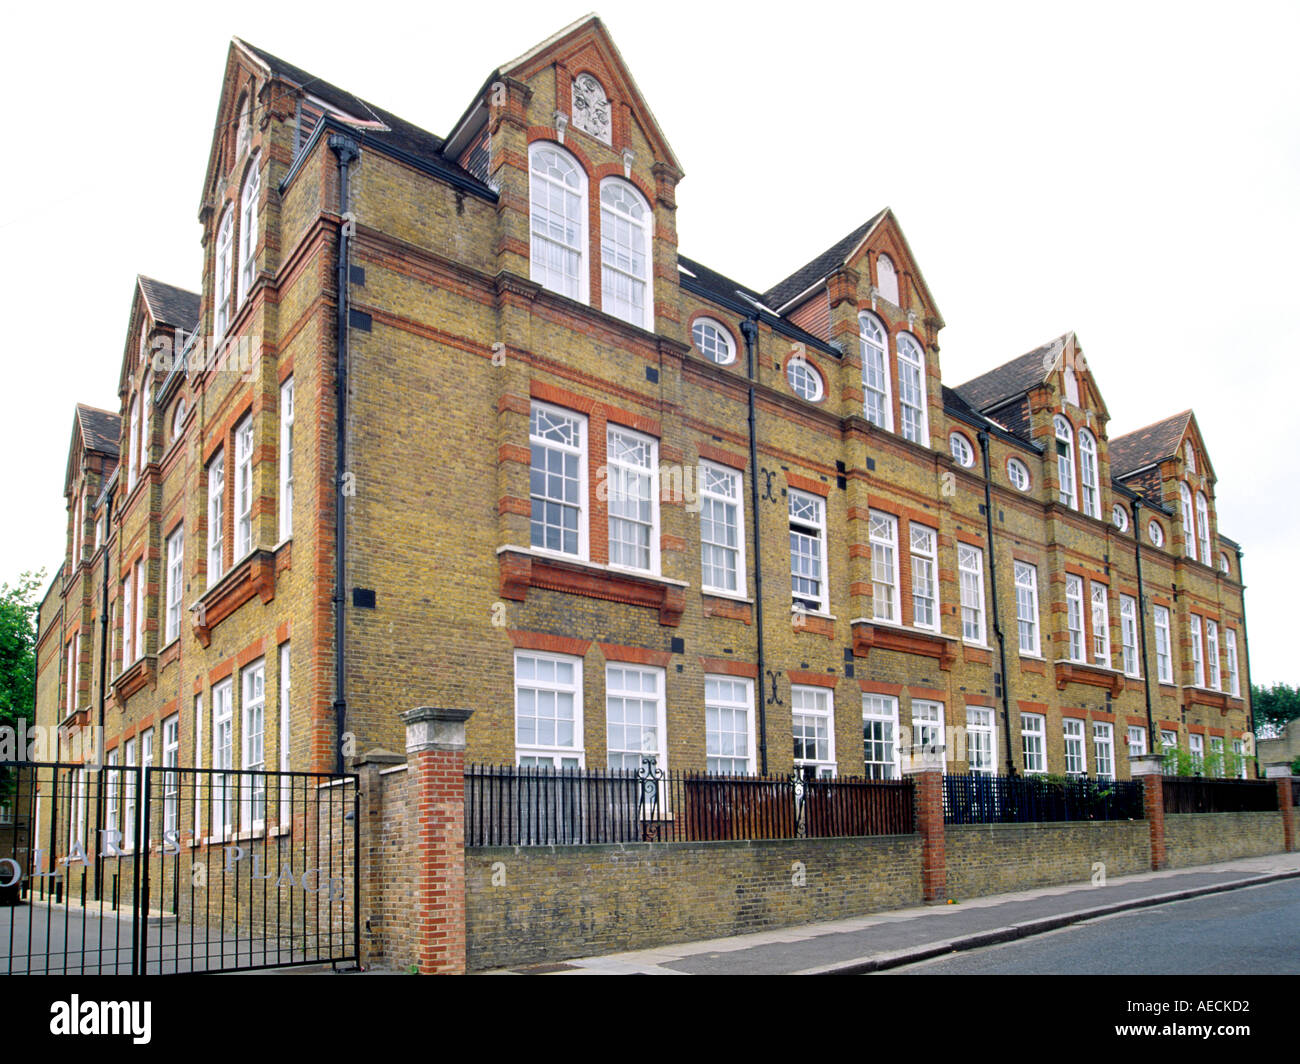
x=127, y=870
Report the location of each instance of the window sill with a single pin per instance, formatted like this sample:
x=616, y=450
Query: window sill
x=254, y=575
x=522, y=568
x=1093, y=675
x=141, y=673
x=730, y=596
x=869, y=635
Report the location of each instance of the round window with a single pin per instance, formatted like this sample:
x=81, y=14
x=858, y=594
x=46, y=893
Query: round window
x=961, y=449
x=805, y=381
x=713, y=341
x=1018, y=473
x=1120, y=517
x=1156, y=533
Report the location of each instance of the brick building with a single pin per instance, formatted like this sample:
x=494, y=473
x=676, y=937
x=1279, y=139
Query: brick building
x=604, y=496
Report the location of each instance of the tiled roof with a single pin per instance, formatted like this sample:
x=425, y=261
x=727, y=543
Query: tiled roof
x=400, y=135
x=1135, y=450
x=100, y=429
x=170, y=305
x=820, y=267
x=1012, y=379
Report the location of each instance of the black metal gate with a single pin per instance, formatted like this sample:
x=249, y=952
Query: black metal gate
x=158, y=870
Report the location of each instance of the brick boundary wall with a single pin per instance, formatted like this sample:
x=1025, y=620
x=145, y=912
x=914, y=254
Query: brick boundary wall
x=1204, y=838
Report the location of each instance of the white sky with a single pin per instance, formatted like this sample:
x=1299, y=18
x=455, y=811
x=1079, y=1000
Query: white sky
x=1129, y=171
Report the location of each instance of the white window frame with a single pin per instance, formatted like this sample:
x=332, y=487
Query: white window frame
x=285, y=715
x=1076, y=750
x=1100, y=600
x=882, y=711
x=970, y=569
x=1067, y=493
x=130, y=800
x=1088, y=473
x=1119, y=517
x=252, y=737
x=816, y=706
x=1239, y=749
x=248, y=229
x=128, y=622
x=877, y=401
x=540, y=270
x=286, y=459
x=1213, y=672
x=981, y=740
x=714, y=341
x=556, y=753
x=1164, y=649
x=720, y=699
x=1189, y=529
x=1137, y=741
x=216, y=516
x=1198, y=652
x=617, y=687
x=139, y=608
x=961, y=450
x=805, y=380
x=808, y=528
x=1196, y=750
x=1075, y=648
x=711, y=500
x=923, y=549
x=221, y=274
x=1027, y=617
x=1018, y=474
x=70, y=678
x=198, y=761
x=243, y=487
x=113, y=791
x=1103, y=749
x=1168, y=744
x=887, y=279
x=565, y=450
x=612, y=214
x=929, y=735
x=621, y=473
x=882, y=533
x=133, y=458
x=1230, y=648
x=224, y=787
x=912, y=356
x=1203, y=527
x=1155, y=533
x=175, y=581
x=171, y=759
x=1216, y=752
x=1128, y=633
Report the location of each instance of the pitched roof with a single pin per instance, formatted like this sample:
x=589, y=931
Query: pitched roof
x=400, y=135
x=821, y=267
x=1012, y=379
x=1136, y=450
x=100, y=429
x=170, y=305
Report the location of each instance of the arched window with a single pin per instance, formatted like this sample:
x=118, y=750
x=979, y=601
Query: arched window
x=178, y=420
x=911, y=390
x=248, y=229
x=558, y=220
x=1018, y=473
x=804, y=380
x=626, y=230
x=245, y=126
x=713, y=341
x=221, y=275
x=1189, y=453
x=1065, y=462
x=1189, y=529
x=1088, y=473
x=1203, y=527
x=1156, y=534
x=874, y=341
x=1119, y=516
x=1071, y=386
x=961, y=449
x=1225, y=566
x=144, y=340
x=133, y=444
x=887, y=279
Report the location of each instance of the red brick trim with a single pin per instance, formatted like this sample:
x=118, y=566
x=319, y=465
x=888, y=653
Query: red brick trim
x=284, y=632
x=513, y=452
x=635, y=655
x=804, y=677
x=221, y=670
x=710, y=453
x=555, y=644
x=723, y=607
x=254, y=576
x=1078, y=672
x=1032, y=707
x=512, y=504
x=811, y=625
x=1171, y=725
x=727, y=667
x=976, y=655
x=1070, y=711
x=801, y=483
x=969, y=538
x=1038, y=668
x=250, y=653
x=871, y=687
x=927, y=692
x=1101, y=714
x=518, y=571
x=867, y=636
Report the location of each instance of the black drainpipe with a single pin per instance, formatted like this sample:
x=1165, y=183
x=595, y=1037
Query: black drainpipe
x=1142, y=623
x=1248, y=688
x=346, y=150
x=983, y=437
x=749, y=330
x=103, y=678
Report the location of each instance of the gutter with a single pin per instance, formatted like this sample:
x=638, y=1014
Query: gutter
x=983, y=437
x=749, y=330
x=346, y=150
x=1245, y=657
x=1138, y=503
x=103, y=678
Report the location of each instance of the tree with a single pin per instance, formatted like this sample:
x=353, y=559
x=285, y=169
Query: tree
x=1274, y=707
x=19, y=607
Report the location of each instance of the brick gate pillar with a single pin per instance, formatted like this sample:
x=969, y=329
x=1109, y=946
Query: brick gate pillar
x=435, y=754
x=927, y=794
x=1280, y=773
x=1149, y=768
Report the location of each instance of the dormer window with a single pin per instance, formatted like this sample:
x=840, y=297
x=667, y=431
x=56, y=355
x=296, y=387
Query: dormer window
x=911, y=390
x=713, y=341
x=558, y=220
x=625, y=239
x=874, y=343
x=248, y=229
x=1065, y=463
x=591, y=108
x=1088, y=473
x=887, y=279
x=221, y=275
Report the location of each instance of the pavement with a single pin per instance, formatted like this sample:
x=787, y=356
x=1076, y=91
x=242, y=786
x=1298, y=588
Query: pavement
x=904, y=936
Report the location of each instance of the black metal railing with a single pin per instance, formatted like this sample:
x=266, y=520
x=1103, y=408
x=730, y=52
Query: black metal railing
x=514, y=806
x=1184, y=794
x=988, y=799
